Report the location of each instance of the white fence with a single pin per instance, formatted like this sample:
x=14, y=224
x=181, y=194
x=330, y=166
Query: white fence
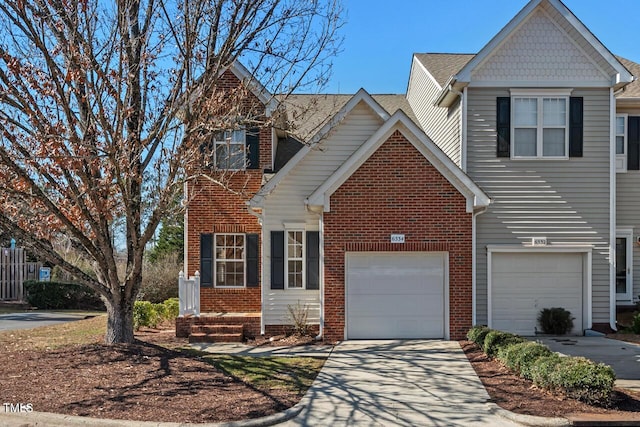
x=189, y=294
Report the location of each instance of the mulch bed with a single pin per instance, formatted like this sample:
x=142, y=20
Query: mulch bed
x=137, y=382
x=521, y=396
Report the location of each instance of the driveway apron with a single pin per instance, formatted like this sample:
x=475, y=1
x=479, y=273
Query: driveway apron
x=397, y=383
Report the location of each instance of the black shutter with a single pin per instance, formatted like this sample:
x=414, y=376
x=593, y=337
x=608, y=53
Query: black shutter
x=313, y=260
x=253, y=148
x=206, y=260
x=633, y=144
x=252, y=260
x=503, y=124
x=277, y=260
x=576, y=122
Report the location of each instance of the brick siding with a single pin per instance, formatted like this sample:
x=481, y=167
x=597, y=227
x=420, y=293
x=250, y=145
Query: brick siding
x=398, y=191
x=218, y=205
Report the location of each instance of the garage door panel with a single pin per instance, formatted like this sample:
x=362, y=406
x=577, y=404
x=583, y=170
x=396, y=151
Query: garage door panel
x=395, y=295
x=523, y=284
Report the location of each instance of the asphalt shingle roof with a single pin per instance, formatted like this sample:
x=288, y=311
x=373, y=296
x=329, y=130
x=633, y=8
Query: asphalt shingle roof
x=443, y=65
x=632, y=90
x=308, y=113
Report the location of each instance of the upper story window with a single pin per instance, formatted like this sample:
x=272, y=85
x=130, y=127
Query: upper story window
x=621, y=143
x=540, y=126
x=230, y=147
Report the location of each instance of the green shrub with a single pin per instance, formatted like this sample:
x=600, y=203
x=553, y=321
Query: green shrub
x=172, y=306
x=495, y=340
x=150, y=315
x=145, y=314
x=542, y=368
x=582, y=379
x=477, y=334
x=555, y=321
x=61, y=296
x=635, y=325
x=521, y=356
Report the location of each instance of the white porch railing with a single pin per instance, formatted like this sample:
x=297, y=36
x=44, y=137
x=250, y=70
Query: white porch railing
x=189, y=294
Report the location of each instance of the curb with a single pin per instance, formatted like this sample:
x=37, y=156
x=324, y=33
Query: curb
x=61, y=420
x=528, y=420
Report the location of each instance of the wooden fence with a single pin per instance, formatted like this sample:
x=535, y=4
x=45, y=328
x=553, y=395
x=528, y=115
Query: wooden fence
x=14, y=270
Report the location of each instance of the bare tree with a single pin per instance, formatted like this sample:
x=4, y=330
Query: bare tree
x=101, y=103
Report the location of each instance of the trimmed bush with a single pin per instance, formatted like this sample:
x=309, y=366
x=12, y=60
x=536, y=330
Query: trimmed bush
x=541, y=370
x=145, y=314
x=584, y=380
x=555, y=321
x=520, y=357
x=172, y=306
x=61, y=296
x=495, y=340
x=150, y=315
x=477, y=334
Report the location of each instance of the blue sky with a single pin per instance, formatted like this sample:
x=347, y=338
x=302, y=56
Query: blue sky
x=382, y=35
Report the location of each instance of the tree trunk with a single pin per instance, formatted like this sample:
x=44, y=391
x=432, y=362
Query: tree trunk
x=119, y=322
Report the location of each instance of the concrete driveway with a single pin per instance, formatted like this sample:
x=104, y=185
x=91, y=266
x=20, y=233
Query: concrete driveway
x=622, y=356
x=399, y=383
x=33, y=319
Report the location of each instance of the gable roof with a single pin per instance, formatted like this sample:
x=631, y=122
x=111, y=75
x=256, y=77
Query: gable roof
x=254, y=85
x=632, y=90
x=333, y=121
x=443, y=65
x=458, y=80
x=476, y=198
x=306, y=114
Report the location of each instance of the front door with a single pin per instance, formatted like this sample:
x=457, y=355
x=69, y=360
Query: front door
x=624, y=256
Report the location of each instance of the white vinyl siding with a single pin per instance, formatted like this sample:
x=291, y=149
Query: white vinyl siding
x=442, y=125
x=628, y=208
x=569, y=205
x=286, y=205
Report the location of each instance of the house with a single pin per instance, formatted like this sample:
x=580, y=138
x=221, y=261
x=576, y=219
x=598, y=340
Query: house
x=500, y=184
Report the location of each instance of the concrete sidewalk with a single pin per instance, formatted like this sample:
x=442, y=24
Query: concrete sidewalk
x=398, y=383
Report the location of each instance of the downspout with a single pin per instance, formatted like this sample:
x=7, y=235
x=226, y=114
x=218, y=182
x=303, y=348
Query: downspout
x=463, y=131
x=612, y=211
x=320, y=269
x=260, y=217
x=474, y=257
x=321, y=279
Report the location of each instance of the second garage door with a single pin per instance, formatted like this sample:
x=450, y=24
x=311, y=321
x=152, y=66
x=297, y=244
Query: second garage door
x=395, y=295
x=522, y=284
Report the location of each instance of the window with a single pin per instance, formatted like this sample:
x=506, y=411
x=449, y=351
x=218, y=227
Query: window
x=540, y=126
x=230, y=149
x=229, y=266
x=621, y=142
x=295, y=259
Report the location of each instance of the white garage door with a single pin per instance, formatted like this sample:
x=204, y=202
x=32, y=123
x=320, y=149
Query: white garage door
x=395, y=295
x=522, y=284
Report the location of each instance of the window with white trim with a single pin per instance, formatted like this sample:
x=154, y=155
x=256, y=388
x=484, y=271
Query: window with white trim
x=621, y=143
x=230, y=149
x=295, y=259
x=229, y=262
x=540, y=126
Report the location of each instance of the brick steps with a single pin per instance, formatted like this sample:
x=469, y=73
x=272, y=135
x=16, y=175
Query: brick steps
x=215, y=338
x=214, y=333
